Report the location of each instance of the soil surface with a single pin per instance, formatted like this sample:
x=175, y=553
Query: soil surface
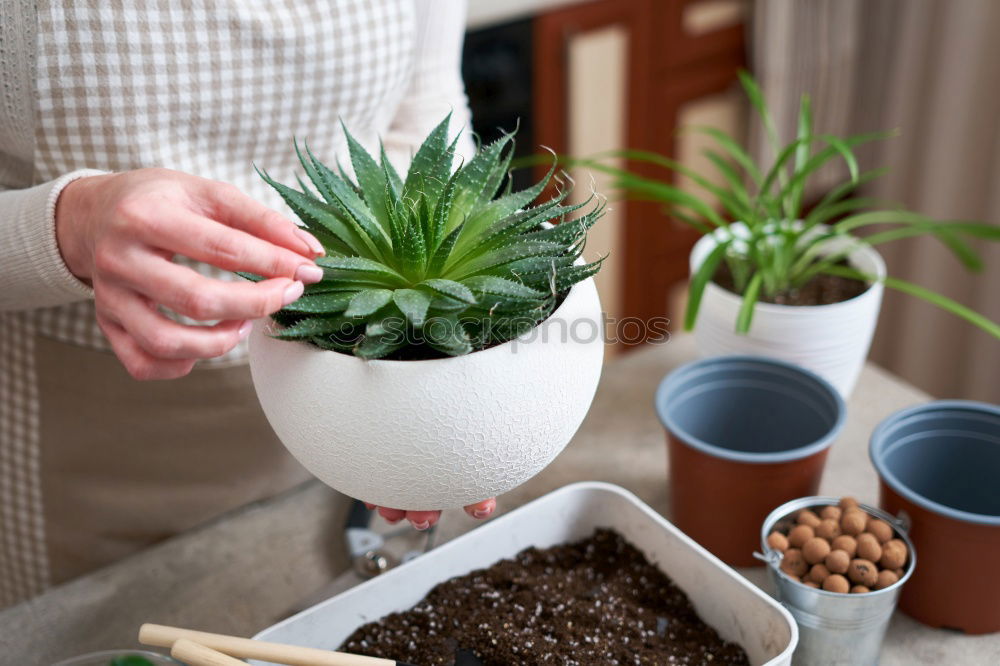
x=596, y=601
x=821, y=290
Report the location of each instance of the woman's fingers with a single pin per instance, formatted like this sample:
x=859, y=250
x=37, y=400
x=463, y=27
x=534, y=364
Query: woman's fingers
x=189, y=293
x=230, y=206
x=161, y=337
x=206, y=240
x=422, y=520
x=391, y=515
x=482, y=509
x=139, y=363
x=425, y=519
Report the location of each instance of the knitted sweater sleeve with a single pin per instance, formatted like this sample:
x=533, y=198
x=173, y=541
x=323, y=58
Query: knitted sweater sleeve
x=32, y=271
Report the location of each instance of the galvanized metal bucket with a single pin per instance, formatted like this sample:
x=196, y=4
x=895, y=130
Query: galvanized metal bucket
x=834, y=629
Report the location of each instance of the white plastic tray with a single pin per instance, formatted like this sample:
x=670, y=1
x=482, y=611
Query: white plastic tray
x=737, y=609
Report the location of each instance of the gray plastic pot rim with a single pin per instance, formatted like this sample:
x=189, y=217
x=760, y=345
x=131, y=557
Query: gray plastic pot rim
x=789, y=455
x=877, y=446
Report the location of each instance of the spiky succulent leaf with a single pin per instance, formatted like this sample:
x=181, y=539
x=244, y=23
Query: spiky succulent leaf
x=413, y=304
x=448, y=259
x=368, y=302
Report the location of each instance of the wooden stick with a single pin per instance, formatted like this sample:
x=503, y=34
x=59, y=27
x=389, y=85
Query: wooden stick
x=245, y=648
x=194, y=654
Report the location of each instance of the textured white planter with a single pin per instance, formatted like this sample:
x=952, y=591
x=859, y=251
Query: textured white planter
x=440, y=433
x=831, y=340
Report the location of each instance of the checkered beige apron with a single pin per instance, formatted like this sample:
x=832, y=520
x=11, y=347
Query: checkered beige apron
x=203, y=86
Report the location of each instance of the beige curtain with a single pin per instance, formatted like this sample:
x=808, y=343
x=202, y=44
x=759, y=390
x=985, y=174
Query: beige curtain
x=932, y=69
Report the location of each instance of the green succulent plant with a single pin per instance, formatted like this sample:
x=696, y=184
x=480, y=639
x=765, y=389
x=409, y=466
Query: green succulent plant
x=443, y=262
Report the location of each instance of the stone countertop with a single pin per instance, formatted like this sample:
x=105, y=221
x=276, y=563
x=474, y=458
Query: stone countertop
x=252, y=567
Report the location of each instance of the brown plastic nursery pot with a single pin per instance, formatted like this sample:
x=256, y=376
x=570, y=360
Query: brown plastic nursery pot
x=726, y=518
x=744, y=434
x=939, y=469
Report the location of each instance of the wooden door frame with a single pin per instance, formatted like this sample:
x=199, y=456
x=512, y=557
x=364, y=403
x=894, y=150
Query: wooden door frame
x=665, y=70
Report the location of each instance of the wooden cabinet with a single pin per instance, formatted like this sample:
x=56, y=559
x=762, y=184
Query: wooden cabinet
x=672, y=58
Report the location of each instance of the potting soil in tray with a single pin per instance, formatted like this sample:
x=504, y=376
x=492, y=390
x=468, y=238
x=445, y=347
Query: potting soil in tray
x=596, y=601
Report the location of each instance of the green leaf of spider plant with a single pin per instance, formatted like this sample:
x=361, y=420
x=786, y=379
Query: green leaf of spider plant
x=803, y=133
x=730, y=146
x=757, y=100
x=730, y=200
x=943, y=302
x=945, y=231
x=702, y=276
x=747, y=306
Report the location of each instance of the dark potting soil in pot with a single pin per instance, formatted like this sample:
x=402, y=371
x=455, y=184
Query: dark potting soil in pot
x=820, y=290
x=596, y=601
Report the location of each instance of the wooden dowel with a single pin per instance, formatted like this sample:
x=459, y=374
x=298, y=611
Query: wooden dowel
x=245, y=648
x=195, y=654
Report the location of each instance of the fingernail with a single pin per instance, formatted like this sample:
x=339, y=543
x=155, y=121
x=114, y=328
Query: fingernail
x=422, y=526
x=310, y=240
x=309, y=273
x=482, y=513
x=393, y=522
x=245, y=329
x=292, y=292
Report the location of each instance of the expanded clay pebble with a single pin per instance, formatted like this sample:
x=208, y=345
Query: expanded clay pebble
x=853, y=522
x=862, y=572
x=793, y=563
x=799, y=535
x=838, y=561
x=846, y=543
x=885, y=579
x=818, y=573
x=893, y=554
x=841, y=549
x=777, y=541
x=847, y=502
x=830, y=513
x=869, y=547
x=836, y=583
x=828, y=529
x=807, y=517
x=881, y=529
x=816, y=549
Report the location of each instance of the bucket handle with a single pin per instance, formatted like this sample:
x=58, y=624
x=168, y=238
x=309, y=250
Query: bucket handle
x=902, y=521
x=772, y=557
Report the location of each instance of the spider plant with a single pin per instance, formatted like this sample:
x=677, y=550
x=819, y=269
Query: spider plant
x=780, y=246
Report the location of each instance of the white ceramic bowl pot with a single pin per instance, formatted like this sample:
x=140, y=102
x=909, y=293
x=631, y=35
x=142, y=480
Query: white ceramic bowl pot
x=440, y=433
x=831, y=340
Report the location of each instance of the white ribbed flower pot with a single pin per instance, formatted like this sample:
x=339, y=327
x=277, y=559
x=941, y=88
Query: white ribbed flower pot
x=440, y=433
x=831, y=340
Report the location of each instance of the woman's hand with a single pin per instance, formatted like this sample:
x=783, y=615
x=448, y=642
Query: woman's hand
x=424, y=519
x=120, y=232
